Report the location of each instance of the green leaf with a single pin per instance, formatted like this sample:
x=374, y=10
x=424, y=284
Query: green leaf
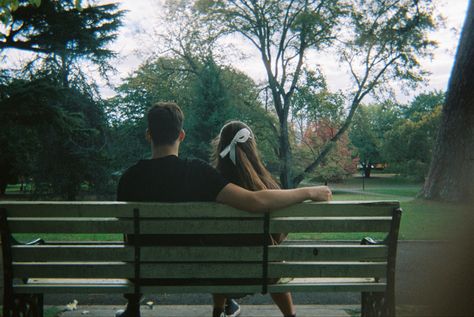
x=5, y=16
x=37, y=3
x=14, y=5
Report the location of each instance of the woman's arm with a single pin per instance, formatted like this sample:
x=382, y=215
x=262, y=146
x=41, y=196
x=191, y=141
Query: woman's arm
x=270, y=199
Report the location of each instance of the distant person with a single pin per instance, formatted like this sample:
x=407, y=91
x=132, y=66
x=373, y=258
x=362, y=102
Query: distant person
x=167, y=178
x=236, y=157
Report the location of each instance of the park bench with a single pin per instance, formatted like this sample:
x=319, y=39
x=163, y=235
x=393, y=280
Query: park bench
x=31, y=270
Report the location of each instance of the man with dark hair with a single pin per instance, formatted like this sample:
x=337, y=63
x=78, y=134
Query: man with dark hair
x=167, y=178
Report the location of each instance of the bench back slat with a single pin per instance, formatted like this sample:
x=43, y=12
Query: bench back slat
x=200, y=226
x=330, y=224
x=151, y=226
x=191, y=209
x=107, y=253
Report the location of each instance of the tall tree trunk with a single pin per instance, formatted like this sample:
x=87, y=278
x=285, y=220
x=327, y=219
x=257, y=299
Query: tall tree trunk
x=286, y=177
x=451, y=174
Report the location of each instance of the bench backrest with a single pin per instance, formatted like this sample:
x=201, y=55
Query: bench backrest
x=117, y=261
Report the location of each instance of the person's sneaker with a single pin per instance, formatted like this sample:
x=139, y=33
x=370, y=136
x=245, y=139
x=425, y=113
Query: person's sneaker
x=232, y=309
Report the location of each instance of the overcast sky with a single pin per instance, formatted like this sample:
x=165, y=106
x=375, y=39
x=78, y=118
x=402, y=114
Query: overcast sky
x=143, y=17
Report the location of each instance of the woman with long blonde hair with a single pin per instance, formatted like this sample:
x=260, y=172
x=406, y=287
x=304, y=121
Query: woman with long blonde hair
x=236, y=157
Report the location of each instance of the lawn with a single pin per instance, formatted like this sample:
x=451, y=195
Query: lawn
x=421, y=219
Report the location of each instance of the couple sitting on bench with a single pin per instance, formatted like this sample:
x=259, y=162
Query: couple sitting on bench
x=238, y=179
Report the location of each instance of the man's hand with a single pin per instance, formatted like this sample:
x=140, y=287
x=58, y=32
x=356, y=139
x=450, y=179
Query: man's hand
x=320, y=193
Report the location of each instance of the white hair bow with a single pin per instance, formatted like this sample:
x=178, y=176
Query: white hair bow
x=240, y=137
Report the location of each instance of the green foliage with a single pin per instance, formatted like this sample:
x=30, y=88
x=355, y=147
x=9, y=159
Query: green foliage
x=209, y=95
x=317, y=115
x=387, y=39
x=58, y=28
x=367, y=133
x=422, y=105
x=409, y=144
x=400, y=135
x=56, y=124
x=7, y=7
x=53, y=135
x=209, y=110
x=379, y=41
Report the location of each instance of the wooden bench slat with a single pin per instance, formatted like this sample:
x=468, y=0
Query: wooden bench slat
x=200, y=270
x=191, y=209
x=327, y=269
x=337, y=285
x=111, y=225
x=107, y=253
x=210, y=226
x=72, y=288
x=332, y=224
x=44, y=209
x=73, y=270
x=327, y=252
x=76, y=225
x=328, y=287
x=338, y=209
x=72, y=253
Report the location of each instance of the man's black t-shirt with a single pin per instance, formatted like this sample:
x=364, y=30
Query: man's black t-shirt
x=170, y=179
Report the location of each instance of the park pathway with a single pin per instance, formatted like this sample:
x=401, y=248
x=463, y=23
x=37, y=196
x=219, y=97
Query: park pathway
x=205, y=311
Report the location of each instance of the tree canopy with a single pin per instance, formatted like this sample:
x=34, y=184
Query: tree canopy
x=57, y=124
x=379, y=41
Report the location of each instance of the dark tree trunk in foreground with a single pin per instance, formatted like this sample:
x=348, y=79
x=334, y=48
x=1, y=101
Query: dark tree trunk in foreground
x=451, y=175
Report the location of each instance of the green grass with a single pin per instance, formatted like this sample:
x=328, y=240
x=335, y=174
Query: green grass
x=407, y=192
x=15, y=189
x=421, y=219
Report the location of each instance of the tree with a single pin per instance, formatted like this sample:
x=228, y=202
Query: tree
x=408, y=145
x=366, y=137
x=54, y=135
x=380, y=43
x=316, y=117
x=338, y=165
x=451, y=174
x=209, y=95
x=400, y=135
x=63, y=33
x=55, y=117
x=282, y=31
x=9, y=6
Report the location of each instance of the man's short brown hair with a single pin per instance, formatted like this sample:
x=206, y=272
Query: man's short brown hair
x=165, y=122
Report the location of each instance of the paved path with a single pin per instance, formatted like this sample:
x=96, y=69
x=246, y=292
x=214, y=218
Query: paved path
x=205, y=311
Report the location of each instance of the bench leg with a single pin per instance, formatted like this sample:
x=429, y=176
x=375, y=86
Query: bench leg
x=376, y=304
x=24, y=305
